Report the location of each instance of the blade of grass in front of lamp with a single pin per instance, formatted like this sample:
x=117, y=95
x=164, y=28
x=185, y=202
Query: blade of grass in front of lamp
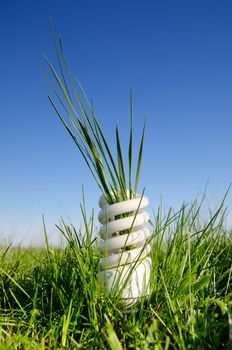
x=109, y=160
x=120, y=185
x=97, y=160
x=139, y=162
x=114, y=184
x=80, y=104
x=102, y=139
x=79, y=146
x=83, y=130
x=58, y=57
x=62, y=87
x=79, y=132
x=94, y=139
x=121, y=166
x=72, y=119
x=130, y=148
x=68, y=100
x=93, y=127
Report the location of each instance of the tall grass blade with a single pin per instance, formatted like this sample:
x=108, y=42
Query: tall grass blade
x=139, y=162
x=112, y=338
x=58, y=57
x=121, y=165
x=77, y=144
x=130, y=149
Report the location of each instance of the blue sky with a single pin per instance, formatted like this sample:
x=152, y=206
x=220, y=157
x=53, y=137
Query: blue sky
x=175, y=55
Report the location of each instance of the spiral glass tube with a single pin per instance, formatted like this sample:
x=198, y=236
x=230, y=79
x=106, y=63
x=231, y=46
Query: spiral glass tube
x=125, y=264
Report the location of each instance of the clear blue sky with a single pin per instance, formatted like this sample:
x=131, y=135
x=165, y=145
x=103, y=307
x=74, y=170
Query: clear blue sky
x=177, y=58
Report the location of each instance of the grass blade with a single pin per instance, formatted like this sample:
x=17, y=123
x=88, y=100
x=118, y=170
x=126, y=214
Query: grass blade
x=138, y=168
x=130, y=149
x=58, y=57
x=121, y=166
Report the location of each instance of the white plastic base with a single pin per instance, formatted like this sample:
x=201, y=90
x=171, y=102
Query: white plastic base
x=131, y=280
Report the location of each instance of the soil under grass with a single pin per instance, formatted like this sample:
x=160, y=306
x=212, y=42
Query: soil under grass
x=50, y=298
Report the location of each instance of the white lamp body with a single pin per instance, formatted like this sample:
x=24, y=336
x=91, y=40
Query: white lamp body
x=125, y=265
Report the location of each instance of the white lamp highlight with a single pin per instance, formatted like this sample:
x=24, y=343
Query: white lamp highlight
x=125, y=264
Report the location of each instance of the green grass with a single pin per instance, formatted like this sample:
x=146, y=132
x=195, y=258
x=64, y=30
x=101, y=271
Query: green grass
x=112, y=174
x=50, y=298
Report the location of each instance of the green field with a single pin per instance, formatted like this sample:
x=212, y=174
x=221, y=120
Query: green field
x=50, y=298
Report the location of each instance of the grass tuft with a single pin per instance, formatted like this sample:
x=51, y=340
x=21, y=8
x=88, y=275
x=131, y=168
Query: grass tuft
x=50, y=298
